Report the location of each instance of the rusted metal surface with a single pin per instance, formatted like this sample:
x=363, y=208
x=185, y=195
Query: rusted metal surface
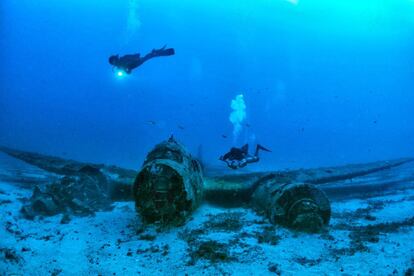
x=170, y=184
x=64, y=166
x=81, y=194
x=237, y=189
x=296, y=205
x=119, y=179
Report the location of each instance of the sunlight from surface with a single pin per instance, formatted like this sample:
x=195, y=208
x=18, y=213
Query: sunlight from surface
x=293, y=2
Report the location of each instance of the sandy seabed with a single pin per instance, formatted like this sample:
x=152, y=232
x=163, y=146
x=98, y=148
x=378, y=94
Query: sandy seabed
x=366, y=236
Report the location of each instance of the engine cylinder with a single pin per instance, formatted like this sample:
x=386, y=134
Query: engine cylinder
x=299, y=206
x=169, y=186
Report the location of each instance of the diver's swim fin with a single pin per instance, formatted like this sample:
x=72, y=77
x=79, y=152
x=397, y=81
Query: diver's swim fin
x=163, y=52
x=262, y=148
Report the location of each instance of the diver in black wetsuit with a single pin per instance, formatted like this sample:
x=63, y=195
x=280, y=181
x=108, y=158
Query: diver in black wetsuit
x=238, y=158
x=129, y=62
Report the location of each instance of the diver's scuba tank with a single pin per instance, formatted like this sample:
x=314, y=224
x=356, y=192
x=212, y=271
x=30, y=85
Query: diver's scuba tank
x=169, y=186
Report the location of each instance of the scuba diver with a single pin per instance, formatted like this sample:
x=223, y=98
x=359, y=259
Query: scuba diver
x=129, y=62
x=238, y=158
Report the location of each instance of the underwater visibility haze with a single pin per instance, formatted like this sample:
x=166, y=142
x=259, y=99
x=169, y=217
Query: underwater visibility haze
x=216, y=137
x=323, y=82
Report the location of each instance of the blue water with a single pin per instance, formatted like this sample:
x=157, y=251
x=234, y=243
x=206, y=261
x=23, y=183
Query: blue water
x=324, y=82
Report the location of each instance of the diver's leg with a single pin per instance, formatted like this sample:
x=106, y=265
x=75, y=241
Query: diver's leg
x=163, y=51
x=260, y=147
x=243, y=163
x=252, y=159
x=256, y=153
x=158, y=53
x=245, y=149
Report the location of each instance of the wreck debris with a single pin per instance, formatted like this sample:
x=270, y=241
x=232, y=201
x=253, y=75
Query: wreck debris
x=119, y=179
x=210, y=250
x=236, y=189
x=10, y=255
x=80, y=194
x=274, y=268
x=268, y=235
x=300, y=206
x=226, y=221
x=62, y=166
x=169, y=186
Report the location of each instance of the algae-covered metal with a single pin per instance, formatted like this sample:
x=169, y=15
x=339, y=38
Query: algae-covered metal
x=170, y=184
x=295, y=205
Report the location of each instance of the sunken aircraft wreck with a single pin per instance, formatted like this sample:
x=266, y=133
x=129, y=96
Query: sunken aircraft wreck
x=171, y=184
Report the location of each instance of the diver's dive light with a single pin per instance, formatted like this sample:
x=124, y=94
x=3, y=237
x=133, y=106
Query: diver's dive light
x=120, y=73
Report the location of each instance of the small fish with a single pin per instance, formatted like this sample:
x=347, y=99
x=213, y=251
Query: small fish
x=224, y=136
x=150, y=122
x=181, y=127
x=375, y=121
x=247, y=125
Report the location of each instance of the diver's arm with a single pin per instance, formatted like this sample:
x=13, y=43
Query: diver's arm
x=226, y=156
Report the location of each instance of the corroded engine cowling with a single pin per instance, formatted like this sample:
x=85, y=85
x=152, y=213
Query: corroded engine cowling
x=169, y=186
x=296, y=205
